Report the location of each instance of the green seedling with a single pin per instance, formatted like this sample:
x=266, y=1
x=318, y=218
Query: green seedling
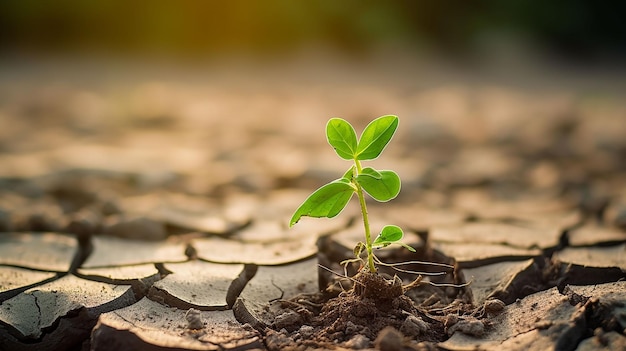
x=382, y=185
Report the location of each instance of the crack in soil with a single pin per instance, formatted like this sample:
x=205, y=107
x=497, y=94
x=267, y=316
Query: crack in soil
x=36, y=300
x=237, y=286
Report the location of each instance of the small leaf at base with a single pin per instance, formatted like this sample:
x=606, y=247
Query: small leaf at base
x=390, y=233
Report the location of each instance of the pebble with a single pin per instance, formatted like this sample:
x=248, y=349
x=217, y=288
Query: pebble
x=389, y=339
x=469, y=326
x=278, y=340
x=194, y=319
x=287, y=318
x=414, y=326
x=351, y=328
x=306, y=331
x=358, y=342
x=494, y=306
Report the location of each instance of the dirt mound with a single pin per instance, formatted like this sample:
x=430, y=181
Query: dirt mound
x=375, y=310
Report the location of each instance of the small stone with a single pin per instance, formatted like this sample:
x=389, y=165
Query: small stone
x=306, y=331
x=358, y=342
x=469, y=326
x=494, y=306
x=278, y=340
x=473, y=327
x=351, y=328
x=414, y=326
x=336, y=337
x=389, y=339
x=287, y=318
x=194, y=319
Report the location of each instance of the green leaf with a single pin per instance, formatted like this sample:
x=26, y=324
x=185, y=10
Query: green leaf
x=389, y=234
x=371, y=172
x=381, y=185
x=327, y=201
x=342, y=137
x=375, y=137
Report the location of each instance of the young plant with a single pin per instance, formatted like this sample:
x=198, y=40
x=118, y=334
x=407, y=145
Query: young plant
x=382, y=185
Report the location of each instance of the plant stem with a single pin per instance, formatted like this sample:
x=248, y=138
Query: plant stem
x=366, y=223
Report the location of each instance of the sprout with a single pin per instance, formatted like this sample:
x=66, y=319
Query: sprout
x=382, y=185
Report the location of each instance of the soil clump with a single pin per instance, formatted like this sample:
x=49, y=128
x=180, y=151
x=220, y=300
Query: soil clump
x=375, y=312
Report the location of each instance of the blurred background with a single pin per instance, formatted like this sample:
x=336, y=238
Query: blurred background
x=148, y=119
x=212, y=96
x=577, y=30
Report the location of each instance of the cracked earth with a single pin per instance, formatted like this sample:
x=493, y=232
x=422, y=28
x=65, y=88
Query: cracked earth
x=147, y=210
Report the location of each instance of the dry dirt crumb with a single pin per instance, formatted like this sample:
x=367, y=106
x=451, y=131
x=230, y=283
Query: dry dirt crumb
x=375, y=313
x=194, y=319
x=414, y=326
x=358, y=342
x=494, y=306
x=389, y=339
x=468, y=325
x=287, y=319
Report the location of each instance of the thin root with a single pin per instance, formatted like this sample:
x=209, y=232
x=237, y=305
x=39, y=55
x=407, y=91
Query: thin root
x=394, y=267
x=417, y=282
x=339, y=275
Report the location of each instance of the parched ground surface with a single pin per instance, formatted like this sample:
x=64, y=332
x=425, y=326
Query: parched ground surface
x=143, y=207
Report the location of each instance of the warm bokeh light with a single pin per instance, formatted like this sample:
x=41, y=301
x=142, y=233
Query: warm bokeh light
x=576, y=29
